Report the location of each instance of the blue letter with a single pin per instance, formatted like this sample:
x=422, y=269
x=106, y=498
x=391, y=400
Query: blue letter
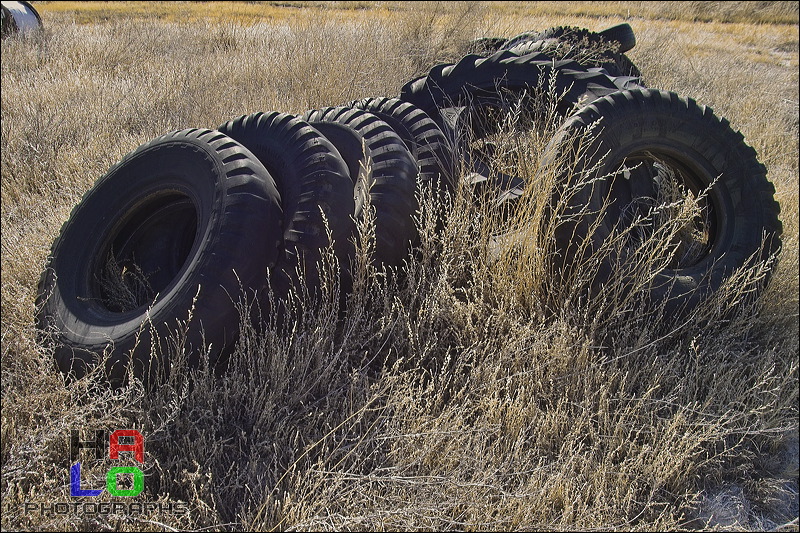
x=75, y=483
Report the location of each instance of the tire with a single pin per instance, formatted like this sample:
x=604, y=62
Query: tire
x=520, y=38
x=193, y=214
x=614, y=64
x=485, y=45
x=621, y=33
x=590, y=49
x=313, y=180
x=380, y=163
x=484, y=79
x=485, y=87
x=422, y=137
x=658, y=130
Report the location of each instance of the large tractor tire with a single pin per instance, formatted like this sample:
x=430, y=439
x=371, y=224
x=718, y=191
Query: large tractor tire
x=316, y=194
x=621, y=34
x=422, y=137
x=605, y=49
x=470, y=98
x=177, y=229
x=384, y=174
x=620, y=158
x=491, y=81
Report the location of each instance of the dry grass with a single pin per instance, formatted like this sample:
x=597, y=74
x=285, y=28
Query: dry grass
x=249, y=12
x=478, y=391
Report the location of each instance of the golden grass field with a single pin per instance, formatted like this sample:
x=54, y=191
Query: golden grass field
x=450, y=402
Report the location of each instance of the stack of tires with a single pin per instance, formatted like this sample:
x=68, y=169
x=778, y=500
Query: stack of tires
x=186, y=223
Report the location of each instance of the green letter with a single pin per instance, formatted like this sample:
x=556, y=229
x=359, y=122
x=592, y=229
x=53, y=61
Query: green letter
x=138, y=481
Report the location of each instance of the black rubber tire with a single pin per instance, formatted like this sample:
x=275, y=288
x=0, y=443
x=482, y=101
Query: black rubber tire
x=390, y=176
x=421, y=135
x=565, y=42
x=646, y=126
x=614, y=64
x=521, y=38
x=485, y=45
x=199, y=216
x=313, y=180
x=621, y=33
x=481, y=85
x=481, y=79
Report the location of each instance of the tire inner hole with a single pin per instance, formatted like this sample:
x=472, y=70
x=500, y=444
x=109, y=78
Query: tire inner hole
x=146, y=253
x=650, y=194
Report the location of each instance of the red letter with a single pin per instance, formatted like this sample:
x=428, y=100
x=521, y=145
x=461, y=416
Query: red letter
x=137, y=447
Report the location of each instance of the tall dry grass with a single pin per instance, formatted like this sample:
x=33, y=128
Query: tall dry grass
x=474, y=391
